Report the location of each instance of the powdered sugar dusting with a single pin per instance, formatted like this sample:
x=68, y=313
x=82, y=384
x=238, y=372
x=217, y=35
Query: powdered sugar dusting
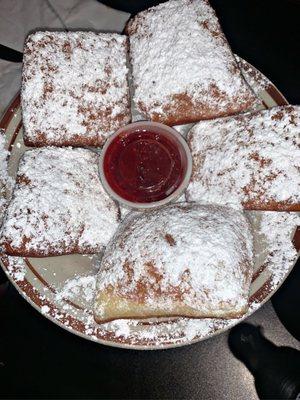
x=253, y=159
x=45, y=309
x=278, y=228
x=81, y=286
x=75, y=87
x=204, y=252
x=121, y=327
x=255, y=78
x=180, y=56
x=5, y=181
x=59, y=205
x=16, y=269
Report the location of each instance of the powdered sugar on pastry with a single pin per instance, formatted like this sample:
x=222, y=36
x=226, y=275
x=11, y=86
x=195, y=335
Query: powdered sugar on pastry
x=183, y=68
x=185, y=256
x=59, y=205
x=3, y=170
x=5, y=180
x=251, y=159
x=74, y=89
x=278, y=229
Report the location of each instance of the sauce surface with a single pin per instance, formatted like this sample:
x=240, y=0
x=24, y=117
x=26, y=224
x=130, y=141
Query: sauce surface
x=144, y=166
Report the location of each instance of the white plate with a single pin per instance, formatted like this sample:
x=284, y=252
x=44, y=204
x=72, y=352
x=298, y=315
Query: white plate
x=43, y=282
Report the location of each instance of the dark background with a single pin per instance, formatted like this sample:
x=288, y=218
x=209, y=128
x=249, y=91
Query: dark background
x=40, y=360
x=266, y=34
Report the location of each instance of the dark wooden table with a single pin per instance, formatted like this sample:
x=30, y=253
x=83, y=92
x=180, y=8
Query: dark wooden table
x=40, y=360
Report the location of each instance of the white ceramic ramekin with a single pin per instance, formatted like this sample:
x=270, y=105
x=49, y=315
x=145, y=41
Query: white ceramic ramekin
x=160, y=129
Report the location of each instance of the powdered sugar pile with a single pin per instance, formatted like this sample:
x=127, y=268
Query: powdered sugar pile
x=81, y=286
x=253, y=159
x=59, y=205
x=74, y=87
x=178, y=49
x=16, y=268
x=204, y=252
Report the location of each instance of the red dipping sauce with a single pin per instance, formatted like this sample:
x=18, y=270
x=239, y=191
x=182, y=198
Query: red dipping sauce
x=145, y=162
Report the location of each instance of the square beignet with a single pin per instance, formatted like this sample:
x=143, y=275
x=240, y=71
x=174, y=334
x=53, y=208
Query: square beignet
x=74, y=88
x=251, y=160
x=185, y=260
x=183, y=68
x=58, y=206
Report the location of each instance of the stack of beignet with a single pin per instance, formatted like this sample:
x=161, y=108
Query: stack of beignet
x=183, y=260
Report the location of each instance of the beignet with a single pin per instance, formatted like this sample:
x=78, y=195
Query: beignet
x=58, y=206
x=74, y=88
x=187, y=260
x=183, y=68
x=252, y=159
